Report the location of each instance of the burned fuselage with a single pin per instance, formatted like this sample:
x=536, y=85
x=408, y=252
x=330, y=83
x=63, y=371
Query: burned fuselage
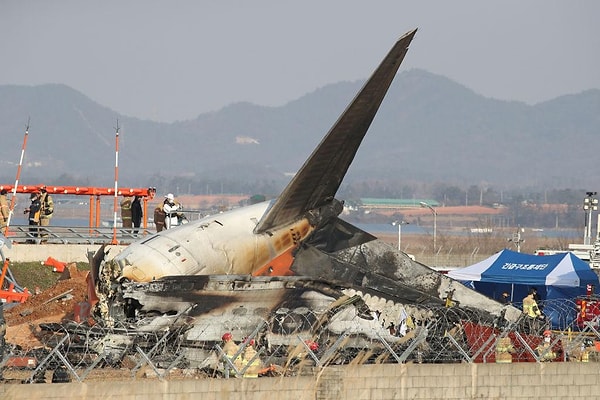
x=364, y=289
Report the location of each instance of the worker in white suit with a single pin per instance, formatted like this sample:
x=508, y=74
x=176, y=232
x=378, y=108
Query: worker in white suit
x=172, y=209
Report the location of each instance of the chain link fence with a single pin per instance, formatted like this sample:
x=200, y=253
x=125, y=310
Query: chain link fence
x=295, y=342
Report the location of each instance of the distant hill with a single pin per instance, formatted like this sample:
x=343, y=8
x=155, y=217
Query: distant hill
x=429, y=129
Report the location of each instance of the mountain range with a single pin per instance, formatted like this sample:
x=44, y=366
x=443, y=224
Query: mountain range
x=429, y=129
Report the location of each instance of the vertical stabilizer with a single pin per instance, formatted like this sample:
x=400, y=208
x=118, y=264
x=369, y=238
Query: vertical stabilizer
x=317, y=182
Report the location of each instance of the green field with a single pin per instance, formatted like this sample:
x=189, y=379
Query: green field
x=32, y=274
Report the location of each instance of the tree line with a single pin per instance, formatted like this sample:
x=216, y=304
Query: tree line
x=525, y=206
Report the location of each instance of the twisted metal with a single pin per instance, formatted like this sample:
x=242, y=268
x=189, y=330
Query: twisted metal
x=291, y=342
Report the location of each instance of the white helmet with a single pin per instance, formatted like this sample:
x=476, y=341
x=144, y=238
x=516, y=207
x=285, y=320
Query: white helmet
x=170, y=197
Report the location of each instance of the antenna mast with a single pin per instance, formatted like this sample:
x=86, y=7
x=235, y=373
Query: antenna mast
x=14, y=191
x=116, y=202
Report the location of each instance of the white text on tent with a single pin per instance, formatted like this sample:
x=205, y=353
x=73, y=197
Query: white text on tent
x=537, y=267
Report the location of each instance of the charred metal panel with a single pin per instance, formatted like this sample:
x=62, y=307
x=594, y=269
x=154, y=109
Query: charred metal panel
x=384, y=260
x=337, y=235
x=376, y=267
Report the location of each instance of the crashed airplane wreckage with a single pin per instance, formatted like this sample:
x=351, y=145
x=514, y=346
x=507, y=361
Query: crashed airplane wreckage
x=282, y=269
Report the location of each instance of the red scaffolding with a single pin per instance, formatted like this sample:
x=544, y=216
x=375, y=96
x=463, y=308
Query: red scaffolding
x=94, y=193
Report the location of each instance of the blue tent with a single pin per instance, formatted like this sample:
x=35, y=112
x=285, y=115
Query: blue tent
x=558, y=276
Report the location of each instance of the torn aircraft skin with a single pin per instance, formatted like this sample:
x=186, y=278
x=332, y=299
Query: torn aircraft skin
x=232, y=270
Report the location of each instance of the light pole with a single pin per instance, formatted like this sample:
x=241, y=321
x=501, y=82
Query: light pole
x=517, y=240
x=400, y=223
x=423, y=204
x=589, y=204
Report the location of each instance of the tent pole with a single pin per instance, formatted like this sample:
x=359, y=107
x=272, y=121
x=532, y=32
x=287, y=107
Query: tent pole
x=512, y=292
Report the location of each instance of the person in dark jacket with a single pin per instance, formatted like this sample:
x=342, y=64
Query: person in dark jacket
x=136, y=213
x=504, y=298
x=34, y=216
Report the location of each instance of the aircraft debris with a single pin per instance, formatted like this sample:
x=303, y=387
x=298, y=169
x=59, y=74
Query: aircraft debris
x=58, y=297
x=57, y=266
x=281, y=273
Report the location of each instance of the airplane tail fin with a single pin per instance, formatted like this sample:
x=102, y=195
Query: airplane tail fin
x=317, y=182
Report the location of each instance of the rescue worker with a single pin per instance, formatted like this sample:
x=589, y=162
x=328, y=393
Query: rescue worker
x=4, y=209
x=530, y=306
x=172, y=210
x=252, y=364
x=538, y=299
x=229, y=346
x=504, y=350
x=159, y=218
x=230, y=349
x=532, y=312
x=582, y=352
x=46, y=212
x=126, y=211
x=34, y=216
x=505, y=298
x=543, y=350
x=299, y=353
x=136, y=213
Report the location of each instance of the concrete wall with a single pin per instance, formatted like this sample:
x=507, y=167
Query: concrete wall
x=390, y=381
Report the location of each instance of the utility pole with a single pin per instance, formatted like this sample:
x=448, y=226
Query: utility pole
x=116, y=194
x=400, y=223
x=590, y=203
x=434, y=213
x=517, y=239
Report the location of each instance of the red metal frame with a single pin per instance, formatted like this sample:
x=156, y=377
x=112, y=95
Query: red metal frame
x=11, y=295
x=94, y=221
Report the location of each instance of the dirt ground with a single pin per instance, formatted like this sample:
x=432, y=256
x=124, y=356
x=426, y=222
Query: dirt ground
x=51, y=305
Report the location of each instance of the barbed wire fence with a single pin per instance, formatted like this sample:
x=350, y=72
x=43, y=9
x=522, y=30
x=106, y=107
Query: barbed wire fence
x=295, y=342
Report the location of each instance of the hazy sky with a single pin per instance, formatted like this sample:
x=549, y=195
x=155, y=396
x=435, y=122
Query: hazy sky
x=173, y=60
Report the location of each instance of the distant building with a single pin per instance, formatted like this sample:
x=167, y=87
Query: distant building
x=374, y=205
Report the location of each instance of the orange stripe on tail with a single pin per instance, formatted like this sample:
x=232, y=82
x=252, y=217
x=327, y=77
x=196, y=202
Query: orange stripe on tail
x=279, y=266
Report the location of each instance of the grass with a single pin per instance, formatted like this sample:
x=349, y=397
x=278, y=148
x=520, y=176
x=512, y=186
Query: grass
x=32, y=274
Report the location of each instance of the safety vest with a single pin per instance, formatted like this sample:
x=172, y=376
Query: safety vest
x=47, y=206
x=4, y=209
x=254, y=365
x=126, y=208
x=585, y=356
x=503, y=350
x=530, y=307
